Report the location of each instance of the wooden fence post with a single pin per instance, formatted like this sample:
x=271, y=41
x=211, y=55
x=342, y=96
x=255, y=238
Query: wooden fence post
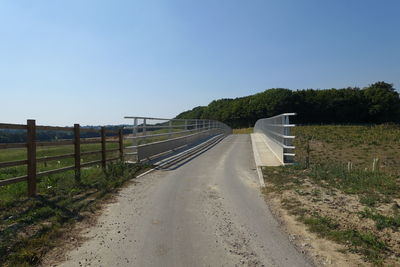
x=31, y=155
x=77, y=146
x=103, y=147
x=121, y=144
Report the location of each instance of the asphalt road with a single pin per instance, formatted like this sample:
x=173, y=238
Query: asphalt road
x=207, y=212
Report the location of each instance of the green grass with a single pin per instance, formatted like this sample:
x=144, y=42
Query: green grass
x=365, y=243
x=340, y=144
x=12, y=192
x=362, y=242
x=29, y=227
x=323, y=154
x=376, y=186
x=243, y=131
x=382, y=221
x=372, y=187
x=20, y=154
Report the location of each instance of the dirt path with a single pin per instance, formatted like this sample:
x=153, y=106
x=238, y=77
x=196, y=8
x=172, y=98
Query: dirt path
x=207, y=212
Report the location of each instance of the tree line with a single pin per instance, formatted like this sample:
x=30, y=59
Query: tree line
x=377, y=103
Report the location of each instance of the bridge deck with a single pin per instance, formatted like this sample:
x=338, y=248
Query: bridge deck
x=262, y=153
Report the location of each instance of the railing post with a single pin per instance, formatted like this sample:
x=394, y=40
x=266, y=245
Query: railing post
x=77, y=148
x=170, y=128
x=121, y=144
x=103, y=147
x=144, y=129
x=31, y=155
x=134, y=141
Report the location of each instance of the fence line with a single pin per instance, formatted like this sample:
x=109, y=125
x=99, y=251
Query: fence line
x=31, y=145
x=192, y=130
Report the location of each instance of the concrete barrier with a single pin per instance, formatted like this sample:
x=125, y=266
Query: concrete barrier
x=148, y=150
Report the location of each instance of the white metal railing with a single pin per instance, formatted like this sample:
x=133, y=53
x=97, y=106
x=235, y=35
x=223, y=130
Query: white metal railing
x=277, y=133
x=154, y=136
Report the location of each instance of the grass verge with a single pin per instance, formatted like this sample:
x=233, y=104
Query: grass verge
x=312, y=205
x=338, y=191
x=29, y=227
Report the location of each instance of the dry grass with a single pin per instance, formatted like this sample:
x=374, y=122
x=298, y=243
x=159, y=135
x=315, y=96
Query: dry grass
x=354, y=206
x=243, y=131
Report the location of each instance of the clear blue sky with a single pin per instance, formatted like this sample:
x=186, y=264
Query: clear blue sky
x=93, y=62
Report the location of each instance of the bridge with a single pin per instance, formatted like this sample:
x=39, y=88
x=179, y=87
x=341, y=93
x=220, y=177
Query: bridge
x=200, y=204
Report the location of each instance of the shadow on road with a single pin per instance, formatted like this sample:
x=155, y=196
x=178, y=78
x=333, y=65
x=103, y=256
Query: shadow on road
x=180, y=161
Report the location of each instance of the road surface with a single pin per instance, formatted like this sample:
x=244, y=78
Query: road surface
x=207, y=212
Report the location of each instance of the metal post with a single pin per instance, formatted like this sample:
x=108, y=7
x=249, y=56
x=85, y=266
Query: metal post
x=134, y=142
x=170, y=128
x=144, y=129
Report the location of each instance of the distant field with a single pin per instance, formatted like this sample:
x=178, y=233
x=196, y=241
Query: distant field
x=356, y=144
x=20, y=154
x=334, y=191
x=243, y=131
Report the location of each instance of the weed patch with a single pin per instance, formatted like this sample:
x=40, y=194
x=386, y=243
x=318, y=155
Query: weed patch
x=382, y=221
x=365, y=243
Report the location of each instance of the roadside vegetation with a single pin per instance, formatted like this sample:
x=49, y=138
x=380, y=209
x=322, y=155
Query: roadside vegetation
x=243, y=131
x=345, y=187
x=29, y=227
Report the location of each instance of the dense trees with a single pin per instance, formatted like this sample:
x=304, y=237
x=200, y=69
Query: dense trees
x=377, y=103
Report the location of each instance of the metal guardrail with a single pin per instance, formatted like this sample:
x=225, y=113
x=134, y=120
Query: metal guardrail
x=276, y=131
x=154, y=136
